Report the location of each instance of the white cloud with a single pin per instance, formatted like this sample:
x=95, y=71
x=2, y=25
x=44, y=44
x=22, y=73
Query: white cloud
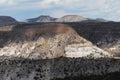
x=98, y=8
x=10, y=2
x=6, y=2
x=48, y=3
x=59, y=13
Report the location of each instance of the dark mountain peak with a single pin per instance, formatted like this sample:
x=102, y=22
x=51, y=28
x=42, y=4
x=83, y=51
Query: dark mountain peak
x=7, y=20
x=42, y=18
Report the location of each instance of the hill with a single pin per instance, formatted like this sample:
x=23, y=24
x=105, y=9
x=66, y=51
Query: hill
x=42, y=18
x=71, y=18
x=48, y=40
x=4, y=20
x=66, y=18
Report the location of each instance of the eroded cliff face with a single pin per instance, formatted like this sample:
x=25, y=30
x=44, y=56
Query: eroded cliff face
x=43, y=47
x=105, y=35
x=46, y=41
x=85, y=50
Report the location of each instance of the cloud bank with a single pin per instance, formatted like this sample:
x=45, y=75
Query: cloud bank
x=108, y=9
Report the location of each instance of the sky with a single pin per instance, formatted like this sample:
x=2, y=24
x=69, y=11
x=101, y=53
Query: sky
x=24, y=9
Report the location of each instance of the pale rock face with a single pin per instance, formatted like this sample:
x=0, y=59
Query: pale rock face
x=43, y=47
x=67, y=45
x=113, y=49
x=85, y=50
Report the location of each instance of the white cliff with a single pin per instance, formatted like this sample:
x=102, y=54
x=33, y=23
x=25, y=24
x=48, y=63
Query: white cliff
x=83, y=50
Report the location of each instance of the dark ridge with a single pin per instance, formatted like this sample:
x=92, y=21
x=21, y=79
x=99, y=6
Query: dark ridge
x=106, y=32
x=7, y=20
x=42, y=18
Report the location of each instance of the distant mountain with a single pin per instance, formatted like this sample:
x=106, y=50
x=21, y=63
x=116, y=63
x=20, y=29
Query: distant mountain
x=66, y=18
x=42, y=18
x=101, y=20
x=97, y=20
x=71, y=18
x=7, y=20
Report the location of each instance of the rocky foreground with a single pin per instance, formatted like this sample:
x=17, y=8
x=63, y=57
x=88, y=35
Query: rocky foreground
x=59, y=69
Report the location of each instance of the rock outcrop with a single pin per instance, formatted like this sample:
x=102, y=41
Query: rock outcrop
x=85, y=50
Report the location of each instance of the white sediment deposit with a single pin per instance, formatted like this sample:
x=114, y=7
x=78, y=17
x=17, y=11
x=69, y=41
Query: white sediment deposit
x=85, y=50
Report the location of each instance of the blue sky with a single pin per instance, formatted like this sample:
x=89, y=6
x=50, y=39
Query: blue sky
x=23, y=9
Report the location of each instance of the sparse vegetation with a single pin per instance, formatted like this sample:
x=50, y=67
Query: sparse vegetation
x=110, y=76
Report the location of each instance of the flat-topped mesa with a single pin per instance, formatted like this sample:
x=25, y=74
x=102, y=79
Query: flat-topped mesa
x=71, y=18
